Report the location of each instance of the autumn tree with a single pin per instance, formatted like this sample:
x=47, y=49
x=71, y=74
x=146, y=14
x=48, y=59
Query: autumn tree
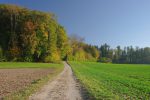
x=29, y=35
x=62, y=41
x=82, y=51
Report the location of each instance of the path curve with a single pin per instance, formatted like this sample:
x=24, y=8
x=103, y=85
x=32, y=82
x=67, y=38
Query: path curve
x=64, y=87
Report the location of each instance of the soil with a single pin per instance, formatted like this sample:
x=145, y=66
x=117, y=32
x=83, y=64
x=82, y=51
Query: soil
x=12, y=80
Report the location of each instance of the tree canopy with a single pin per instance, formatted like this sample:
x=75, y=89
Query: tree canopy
x=128, y=54
x=35, y=36
x=30, y=35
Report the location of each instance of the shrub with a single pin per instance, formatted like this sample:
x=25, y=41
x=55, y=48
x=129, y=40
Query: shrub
x=54, y=58
x=1, y=54
x=105, y=60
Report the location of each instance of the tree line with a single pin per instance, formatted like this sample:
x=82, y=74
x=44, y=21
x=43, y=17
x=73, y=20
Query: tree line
x=128, y=54
x=35, y=36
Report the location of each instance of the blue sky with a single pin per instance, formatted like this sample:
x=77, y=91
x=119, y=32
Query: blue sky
x=116, y=22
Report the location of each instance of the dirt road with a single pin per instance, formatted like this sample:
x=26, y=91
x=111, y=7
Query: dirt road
x=64, y=87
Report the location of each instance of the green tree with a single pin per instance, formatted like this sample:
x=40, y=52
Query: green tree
x=62, y=41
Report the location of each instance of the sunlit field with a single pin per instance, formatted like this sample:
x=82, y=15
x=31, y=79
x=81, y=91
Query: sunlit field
x=12, y=65
x=18, y=80
x=114, y=81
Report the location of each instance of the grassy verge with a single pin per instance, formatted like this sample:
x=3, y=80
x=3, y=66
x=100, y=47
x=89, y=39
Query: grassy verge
x=36, y=84
x=114, y=81
x=11, y=65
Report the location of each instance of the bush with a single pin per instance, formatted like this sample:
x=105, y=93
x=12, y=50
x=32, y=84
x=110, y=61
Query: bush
x=1, y=54
x=52, y=59
x=105, y=60
x=27, y=59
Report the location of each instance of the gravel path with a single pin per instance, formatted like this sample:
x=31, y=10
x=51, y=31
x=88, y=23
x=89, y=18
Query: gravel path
x=64, y=87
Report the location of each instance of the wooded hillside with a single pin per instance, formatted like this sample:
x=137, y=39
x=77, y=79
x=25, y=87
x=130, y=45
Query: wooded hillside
x=29, y=35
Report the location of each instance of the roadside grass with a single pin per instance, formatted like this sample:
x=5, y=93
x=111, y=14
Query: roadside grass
x=11, y=65
x=114, y=81
x=36, y=84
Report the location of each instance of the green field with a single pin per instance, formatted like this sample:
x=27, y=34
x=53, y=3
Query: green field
x=27, y=65
x=114, y=81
